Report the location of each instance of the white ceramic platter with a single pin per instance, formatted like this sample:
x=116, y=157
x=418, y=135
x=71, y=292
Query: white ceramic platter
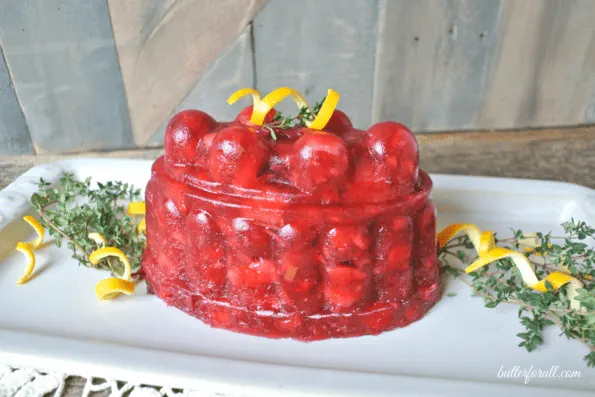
x=56, y=322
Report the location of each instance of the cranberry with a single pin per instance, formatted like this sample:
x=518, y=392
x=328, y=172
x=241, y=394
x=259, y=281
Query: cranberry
x=204, y=238
x=295, y=237
x=366, y=185
x=426, y=224
x=394, y=152
x=183, y=133
x=393, y=245
x=299, y=271
x=202, y=226
x=428, y=292
x=326, y=194
x=427, y=271
x=299, y=281
x=352, y=136
x=394, y=286
x=345, y=243
x=318, y=159
x=339, y=123
x=244, y=116
x=290, y=134
x=344, y=287
x=237, y=156
x=280, y=154
x=202, y=149
x=368, y=192
x=247, y=239
x=251, y=284
x=380, y=317
x=254, y=273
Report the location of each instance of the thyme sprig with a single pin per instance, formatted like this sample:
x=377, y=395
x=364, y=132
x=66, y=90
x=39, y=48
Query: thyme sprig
x=305, y=115
x=500, y=282
x=74, y=209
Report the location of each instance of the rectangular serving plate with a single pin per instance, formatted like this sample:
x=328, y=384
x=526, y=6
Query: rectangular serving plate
x=458, y=348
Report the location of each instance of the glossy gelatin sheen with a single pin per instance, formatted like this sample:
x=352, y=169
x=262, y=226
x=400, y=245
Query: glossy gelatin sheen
x=314, y=235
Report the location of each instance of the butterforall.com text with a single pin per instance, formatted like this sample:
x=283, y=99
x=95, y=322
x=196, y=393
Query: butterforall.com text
x=532, y=373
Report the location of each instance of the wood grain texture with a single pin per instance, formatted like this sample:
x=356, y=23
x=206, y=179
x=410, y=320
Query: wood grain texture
x=164, y=45
x=564, y=154
x=14, y=134
x=544, y=72
x=65, y=72
x=433, y=61
x=315, y=45
x=233, y=69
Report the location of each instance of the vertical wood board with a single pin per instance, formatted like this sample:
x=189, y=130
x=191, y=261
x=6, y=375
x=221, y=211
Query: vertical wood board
x=231, y=71
x=14, y=134
x=66, y=74
x=433, y=61
x=165, y=45
x=544, y=72
x=316, y=45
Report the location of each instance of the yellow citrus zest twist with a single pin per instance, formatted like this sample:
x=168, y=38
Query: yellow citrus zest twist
x=113, y=286
x=98, y=238
x=28, y=248
x=487, y=252
x=35, y=244
x=140, y=208
x=137, y=208
x=142, y=226
x=242, y=93
x=264, y=106
x=261, y=107
x=326, y=110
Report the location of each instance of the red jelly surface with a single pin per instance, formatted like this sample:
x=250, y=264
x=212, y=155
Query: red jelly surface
x=309, y=236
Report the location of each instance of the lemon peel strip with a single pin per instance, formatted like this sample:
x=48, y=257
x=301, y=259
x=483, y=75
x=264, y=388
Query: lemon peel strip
x=242, y=92
x=39, y=229
x=136, y=208
x=142, y=226
x=98, y=238
x=105, y=252
x=139, y=208
x=112, y=287
x=26, y=250
x=484, y=243
x=264, y=106
x=326, y=110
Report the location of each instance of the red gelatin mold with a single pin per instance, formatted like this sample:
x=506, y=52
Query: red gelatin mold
x=309, y=236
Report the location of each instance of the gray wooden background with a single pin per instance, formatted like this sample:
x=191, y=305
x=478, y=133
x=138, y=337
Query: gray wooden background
x=107, y=74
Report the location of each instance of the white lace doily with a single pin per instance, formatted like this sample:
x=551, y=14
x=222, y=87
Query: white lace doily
x=38, y=383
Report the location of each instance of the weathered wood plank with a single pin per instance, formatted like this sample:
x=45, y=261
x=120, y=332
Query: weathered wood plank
x=433, y=60
x=559, y=154
x=232, y=70
x=315, y=45
x=543, y=73
x=65, y=72
x=14, y=134
x=163, y=47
